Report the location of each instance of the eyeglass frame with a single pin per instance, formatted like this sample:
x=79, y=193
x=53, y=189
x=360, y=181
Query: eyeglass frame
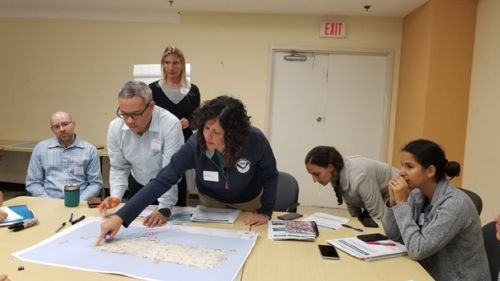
x=134, y=115
x=64, y=124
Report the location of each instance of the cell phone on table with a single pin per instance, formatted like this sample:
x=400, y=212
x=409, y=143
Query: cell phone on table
x=289, y=216
x=328, y=252
x=372, y=237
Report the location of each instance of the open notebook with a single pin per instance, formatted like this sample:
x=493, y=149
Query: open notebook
x=364, y=250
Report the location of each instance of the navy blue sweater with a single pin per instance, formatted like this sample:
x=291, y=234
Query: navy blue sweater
x=253, y=172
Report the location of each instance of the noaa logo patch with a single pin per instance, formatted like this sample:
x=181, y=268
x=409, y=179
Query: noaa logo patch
x=242, y=165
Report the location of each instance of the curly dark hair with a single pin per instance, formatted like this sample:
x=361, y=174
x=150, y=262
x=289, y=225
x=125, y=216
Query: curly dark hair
x=233, y=119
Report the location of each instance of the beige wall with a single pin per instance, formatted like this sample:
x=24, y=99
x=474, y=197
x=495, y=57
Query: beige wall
x=482, y=153
x=435, y=75
x=78, y=66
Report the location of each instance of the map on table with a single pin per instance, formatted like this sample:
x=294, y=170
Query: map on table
x=163, y=253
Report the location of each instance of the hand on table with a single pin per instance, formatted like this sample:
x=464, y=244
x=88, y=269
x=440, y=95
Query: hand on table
x=256, y=219
x=3, y=215
x=154, y=219
x=109, y=228
x=4, y=277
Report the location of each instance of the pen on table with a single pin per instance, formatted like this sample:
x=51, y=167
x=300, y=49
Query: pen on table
x=61, y=227
x=381, y=243
x=78, y=220
x=71, y=217
x=22, y=225
x=352, y=227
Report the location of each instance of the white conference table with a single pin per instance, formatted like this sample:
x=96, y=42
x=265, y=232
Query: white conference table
x=269, y=260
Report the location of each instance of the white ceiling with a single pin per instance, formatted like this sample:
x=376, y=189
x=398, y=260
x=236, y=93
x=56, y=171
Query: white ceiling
x=115, y=9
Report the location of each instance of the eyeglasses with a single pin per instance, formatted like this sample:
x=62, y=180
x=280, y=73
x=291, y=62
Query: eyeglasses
x=133, y=115
x=62, y=125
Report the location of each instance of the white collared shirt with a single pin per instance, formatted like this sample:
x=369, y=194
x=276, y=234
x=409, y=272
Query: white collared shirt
x=143, y=155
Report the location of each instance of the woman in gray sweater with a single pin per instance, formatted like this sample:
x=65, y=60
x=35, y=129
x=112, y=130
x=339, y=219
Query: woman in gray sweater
x=438, y=223
x=358, y=181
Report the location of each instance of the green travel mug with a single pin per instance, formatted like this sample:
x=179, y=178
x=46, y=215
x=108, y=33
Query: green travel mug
x=71, y=195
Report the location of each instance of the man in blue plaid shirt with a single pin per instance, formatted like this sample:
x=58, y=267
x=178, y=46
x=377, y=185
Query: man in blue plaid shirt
x=64, y=159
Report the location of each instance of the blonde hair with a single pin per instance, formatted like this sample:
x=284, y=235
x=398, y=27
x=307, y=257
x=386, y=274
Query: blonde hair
x=171, y=50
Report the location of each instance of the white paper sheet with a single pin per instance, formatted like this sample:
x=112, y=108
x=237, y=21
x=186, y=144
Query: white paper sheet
x=326, y=220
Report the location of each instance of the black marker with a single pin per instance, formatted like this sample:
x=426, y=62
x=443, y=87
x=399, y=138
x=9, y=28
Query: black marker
x=352, y=227
x=61, y=227
x=78, y=220
x=22, y=225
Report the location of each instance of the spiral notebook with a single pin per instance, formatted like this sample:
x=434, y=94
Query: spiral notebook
x=16, y=213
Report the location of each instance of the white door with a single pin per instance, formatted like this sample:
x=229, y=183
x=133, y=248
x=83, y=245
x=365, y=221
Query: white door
x=339, y=100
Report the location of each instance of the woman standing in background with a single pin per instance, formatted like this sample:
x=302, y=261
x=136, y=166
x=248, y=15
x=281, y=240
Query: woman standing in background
x=176, y=94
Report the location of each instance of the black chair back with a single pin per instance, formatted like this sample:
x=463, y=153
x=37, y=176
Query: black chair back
x=492, y=246
x=476, y=199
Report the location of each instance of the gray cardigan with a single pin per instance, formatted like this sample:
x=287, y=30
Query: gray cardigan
x=364, y=184
x=449, y=244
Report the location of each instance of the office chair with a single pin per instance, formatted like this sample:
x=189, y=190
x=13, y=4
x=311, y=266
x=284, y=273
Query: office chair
x=475, y=199
x=492, y=246
x=287, y=196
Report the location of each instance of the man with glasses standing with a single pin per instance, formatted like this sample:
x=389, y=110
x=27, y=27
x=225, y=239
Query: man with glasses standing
x=64, y=159
x=141, y=142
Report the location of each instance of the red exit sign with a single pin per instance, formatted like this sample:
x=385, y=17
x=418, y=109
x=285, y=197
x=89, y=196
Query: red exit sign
x=332, y=28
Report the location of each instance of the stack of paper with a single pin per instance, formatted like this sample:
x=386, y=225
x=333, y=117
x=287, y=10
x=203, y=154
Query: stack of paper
x=180, y=215
x=292, y=230
x=326, y=220
x=219, y=215
x=16, y=213
x=363, y=250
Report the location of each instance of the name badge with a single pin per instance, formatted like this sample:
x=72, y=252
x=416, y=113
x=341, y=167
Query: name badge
x=155, y=145
x=78, y=171
x=211, y=176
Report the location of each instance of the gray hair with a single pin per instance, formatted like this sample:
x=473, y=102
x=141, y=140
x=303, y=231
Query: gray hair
x=136, y=89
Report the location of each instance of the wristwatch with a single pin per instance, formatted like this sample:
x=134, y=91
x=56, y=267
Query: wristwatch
x=165, y=212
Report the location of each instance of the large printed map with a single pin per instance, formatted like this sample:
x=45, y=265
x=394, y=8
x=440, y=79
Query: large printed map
x=165, y=253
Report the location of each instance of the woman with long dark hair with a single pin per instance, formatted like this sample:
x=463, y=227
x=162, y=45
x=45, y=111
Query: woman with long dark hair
x=358, y=181
x=437, y=222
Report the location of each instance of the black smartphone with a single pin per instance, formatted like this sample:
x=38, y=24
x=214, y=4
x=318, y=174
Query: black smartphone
x=328, y=252
x=372, y=237
x=367, y=221
x=289, y=216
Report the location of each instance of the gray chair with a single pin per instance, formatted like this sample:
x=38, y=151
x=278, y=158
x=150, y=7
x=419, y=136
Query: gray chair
x=287, y=196
x=476, y=199
x=492, y=246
